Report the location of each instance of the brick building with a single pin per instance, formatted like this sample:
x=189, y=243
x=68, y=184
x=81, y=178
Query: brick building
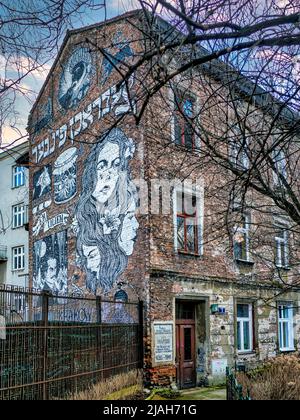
x=94, y=229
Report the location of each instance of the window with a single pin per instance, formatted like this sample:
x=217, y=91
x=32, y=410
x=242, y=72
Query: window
x=18, y=216
x=286, y=327
x=282, y=248
x=18, y=176
x=280, y=167
x=244, y=327
x=188, y=227
x=239, y=148
x=184, y=121
x=18, y=255
x=241, y=240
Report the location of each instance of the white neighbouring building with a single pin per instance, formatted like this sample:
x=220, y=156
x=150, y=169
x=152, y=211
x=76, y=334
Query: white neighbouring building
x=14, y=216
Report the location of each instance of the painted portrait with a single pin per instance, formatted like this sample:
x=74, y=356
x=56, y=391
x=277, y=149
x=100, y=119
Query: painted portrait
x=105, y=214
x=50, y=262
x=118, y=311
x=76, y=78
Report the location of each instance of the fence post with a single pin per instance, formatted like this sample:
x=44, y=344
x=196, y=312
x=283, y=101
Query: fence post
x=99, y=334
x=98, y=309
x=45, y=316
x=141, y=334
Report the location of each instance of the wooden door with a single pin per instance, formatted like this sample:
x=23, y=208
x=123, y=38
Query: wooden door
x=186, y=366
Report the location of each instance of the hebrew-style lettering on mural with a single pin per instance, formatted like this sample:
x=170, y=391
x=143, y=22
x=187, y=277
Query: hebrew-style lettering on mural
x=47, y=224
x=115, y=100
x=42, y=182
x=76, y=78
x=65, y=176
x=42, y=206
x=50, y=262
x=106, y=225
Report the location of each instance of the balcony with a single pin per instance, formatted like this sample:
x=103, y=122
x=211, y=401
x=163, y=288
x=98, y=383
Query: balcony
x=3, y=253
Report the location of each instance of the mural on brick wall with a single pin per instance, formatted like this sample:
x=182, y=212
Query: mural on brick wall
x=42, y=182
x=65, y=175
x=76, y=78
x=50, y=261
x=42, y=119
x=114, y=60
x=106, y=225
x=118, y=312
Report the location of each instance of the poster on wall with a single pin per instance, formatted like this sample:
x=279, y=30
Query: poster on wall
x=50, y=262
x=163, y=342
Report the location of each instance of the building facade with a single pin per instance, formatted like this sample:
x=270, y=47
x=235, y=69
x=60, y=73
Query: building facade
x=94, y=230
x=14, y=236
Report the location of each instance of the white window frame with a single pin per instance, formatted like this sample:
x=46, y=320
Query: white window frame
x=18, y=210
x=18, y=174
x=242, y=321
x=244, y=231
x=282, y=261
x=18, y=256
x=290, y=323
x=199, y=194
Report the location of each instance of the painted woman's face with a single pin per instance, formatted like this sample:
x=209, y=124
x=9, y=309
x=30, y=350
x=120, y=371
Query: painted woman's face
x=93, y=258
x=129, y=231
x=108, y=169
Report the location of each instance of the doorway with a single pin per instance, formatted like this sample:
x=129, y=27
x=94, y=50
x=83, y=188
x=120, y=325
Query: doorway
x=185, y=344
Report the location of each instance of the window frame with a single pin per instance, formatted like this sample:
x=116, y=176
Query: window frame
x=284, y=260
x=199, y=217
x=280, y=167
x=290, y=322
x=16, y=174
x=17, y=214
x=179, y=114
x=20, y=255
x=242, y=321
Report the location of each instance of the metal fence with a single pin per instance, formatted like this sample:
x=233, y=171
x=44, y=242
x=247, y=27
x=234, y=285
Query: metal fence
x=53, y=346
x=234, y=390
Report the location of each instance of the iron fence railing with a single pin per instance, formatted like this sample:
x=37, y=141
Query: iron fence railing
x=3, y=253
x=234, y=390
x=54, y=346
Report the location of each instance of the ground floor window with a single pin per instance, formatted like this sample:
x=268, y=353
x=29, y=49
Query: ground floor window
x=286, y=327
x=18, y=258
x=244, y=327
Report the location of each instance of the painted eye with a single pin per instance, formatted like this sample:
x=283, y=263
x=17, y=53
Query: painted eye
x=102, y=165
x=117, y=163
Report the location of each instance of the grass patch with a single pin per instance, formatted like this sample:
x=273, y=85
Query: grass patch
x=119, y=387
